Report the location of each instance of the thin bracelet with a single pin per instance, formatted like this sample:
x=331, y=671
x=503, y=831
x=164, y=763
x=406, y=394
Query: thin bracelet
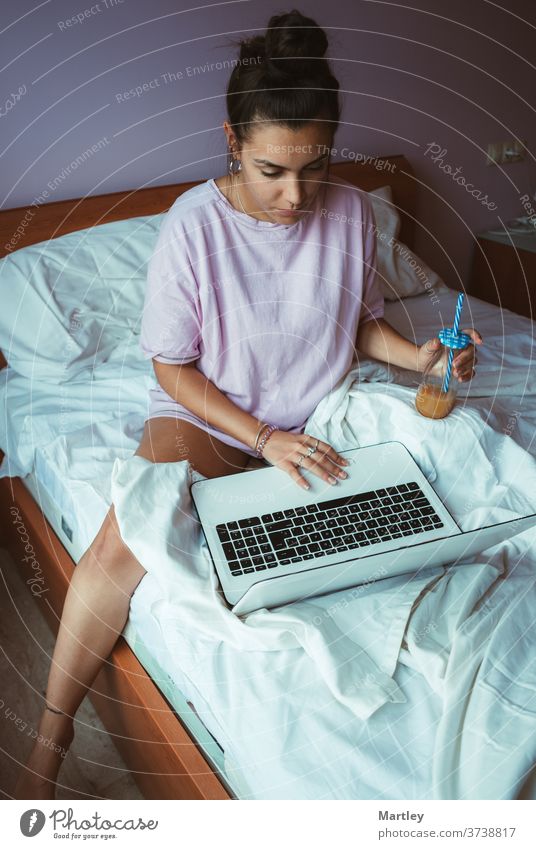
x=264, y=438
x=262, y=426
x=259, y=435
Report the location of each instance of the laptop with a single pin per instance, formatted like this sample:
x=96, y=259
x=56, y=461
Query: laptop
x=273, y=543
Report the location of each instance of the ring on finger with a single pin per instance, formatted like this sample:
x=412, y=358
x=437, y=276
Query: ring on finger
x=312, y=448
x=302, y=458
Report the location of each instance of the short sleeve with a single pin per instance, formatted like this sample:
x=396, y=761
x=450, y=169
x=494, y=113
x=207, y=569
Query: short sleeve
x=372, y=301
x=171, y=320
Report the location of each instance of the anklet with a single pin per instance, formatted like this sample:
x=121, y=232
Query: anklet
x=53, y=710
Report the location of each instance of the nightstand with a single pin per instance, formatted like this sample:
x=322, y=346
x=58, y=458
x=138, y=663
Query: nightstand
x=510, y=279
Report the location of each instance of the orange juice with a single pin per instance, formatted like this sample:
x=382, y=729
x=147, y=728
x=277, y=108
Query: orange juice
x=430, y=401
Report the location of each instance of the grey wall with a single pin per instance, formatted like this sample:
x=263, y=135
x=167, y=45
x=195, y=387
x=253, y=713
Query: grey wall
x=457, y=74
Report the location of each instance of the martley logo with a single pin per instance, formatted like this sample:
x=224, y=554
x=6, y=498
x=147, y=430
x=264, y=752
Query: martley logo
x=31, y=822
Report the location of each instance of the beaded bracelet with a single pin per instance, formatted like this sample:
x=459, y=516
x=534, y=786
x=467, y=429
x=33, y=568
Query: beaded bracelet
x=266, y=434
x=259, y=434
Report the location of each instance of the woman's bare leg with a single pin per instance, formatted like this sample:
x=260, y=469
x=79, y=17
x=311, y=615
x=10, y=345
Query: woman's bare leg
x=98, y=600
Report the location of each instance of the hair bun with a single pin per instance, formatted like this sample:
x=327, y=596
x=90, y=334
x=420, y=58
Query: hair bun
x=283, y=78
x=251, y=49
x=294, y=39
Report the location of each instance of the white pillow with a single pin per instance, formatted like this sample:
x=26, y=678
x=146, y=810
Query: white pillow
x=402, y=273
x=68, y=303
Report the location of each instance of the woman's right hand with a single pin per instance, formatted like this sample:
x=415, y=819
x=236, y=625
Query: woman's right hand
x=285, y=450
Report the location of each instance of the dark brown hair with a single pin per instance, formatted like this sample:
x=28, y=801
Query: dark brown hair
x=282, y=77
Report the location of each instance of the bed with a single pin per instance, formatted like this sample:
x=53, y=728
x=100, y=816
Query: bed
x=60, y=441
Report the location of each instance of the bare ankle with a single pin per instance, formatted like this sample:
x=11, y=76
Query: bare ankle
x=32, y=786
x=38, y=776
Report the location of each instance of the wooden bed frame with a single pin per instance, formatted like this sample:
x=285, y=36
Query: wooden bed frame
x=165, y=761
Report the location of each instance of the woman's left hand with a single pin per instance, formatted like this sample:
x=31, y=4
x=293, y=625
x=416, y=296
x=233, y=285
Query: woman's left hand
x=464, y=362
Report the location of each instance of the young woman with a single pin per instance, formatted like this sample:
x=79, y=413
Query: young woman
x=256, y=300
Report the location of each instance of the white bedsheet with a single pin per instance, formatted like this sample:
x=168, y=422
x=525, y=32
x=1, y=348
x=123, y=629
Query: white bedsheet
x=349, y=637
x=282, y=726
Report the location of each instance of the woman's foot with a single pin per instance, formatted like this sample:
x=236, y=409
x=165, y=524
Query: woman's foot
x=37, y=779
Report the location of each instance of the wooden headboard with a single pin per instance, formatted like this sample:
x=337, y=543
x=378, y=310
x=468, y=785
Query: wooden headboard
x=23, y=226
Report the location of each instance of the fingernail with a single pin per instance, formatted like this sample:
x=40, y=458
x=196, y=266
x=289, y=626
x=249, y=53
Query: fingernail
x=332, y=479
x=306, y=485
x=345, y=462
x=343, y=475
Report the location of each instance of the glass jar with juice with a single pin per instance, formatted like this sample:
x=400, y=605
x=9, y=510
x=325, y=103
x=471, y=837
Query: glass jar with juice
x=436, y=395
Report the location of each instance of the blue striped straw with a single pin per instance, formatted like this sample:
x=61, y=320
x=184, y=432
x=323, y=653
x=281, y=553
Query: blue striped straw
x=455, y=326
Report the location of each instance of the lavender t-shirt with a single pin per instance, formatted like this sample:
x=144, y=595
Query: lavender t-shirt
x=269, y=311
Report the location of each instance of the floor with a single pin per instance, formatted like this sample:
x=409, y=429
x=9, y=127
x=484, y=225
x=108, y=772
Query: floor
x=93, y=768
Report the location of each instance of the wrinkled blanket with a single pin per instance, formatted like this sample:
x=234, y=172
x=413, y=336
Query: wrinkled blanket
x=468, y=629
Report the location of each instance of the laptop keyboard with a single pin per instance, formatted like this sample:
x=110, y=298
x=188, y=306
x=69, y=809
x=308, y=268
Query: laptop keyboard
x=289, y=536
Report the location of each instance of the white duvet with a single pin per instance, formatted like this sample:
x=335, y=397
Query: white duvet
x=292, y=718
x=283, y=683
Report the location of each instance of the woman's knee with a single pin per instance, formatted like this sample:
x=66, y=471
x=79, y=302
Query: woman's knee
x=109, y=555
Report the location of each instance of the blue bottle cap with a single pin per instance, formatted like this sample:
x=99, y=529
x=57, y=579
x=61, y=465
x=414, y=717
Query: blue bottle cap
x=450, y=339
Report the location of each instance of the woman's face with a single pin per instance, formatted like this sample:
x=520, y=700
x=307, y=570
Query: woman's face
x=282, y=168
